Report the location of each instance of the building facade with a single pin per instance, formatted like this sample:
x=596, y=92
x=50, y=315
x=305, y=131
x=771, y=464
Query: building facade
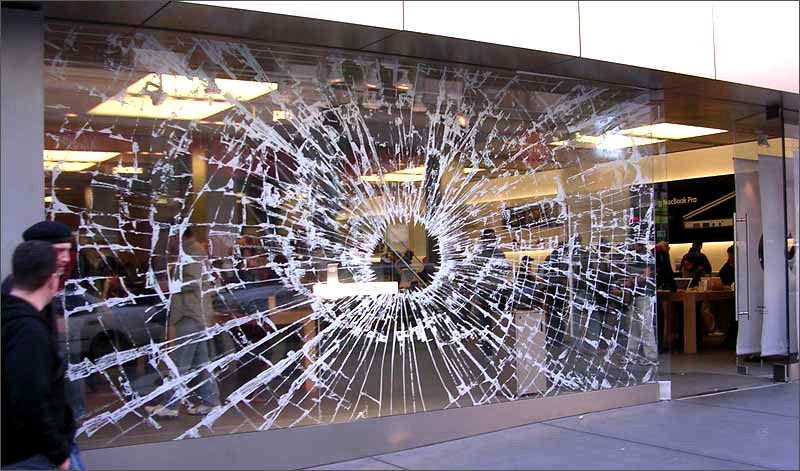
x=367, y=226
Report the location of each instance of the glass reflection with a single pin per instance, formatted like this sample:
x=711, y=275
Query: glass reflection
x=489, y=235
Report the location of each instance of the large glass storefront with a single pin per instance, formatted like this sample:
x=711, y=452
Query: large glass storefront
x=270, y=236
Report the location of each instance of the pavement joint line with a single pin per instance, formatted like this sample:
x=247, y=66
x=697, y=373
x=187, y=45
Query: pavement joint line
x=754, y=411
x=663, y=447
x=761, y=386
x=387, y=462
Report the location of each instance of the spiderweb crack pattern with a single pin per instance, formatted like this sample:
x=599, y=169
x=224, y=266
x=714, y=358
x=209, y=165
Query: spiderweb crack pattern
x=216, y=245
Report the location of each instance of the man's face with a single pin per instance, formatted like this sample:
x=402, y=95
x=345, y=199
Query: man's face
x=62, y=256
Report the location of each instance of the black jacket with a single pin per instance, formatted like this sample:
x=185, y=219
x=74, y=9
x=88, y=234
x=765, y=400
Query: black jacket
x=727, y=274
x=36, y=419
x=702, y=260
x=665, y=277
x=8, y=285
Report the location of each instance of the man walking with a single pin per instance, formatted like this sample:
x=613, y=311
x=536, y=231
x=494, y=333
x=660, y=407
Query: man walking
x=61, y=238
x=54, y=233
x=37, y=424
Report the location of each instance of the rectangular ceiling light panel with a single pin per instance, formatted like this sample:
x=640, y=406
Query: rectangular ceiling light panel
x=163, y=96
x=671, y=131
x=74, y=161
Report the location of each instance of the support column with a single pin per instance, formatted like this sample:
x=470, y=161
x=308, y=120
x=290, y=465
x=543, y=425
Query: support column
x=22, y=75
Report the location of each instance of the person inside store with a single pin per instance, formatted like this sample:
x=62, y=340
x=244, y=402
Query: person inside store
x=640, y=311
x=727, y=274
x=665, y=280
x=692, y=267
x=489, y=288
x=190, y=313
x=38, y=428
x=426, y=275
x=701, y=259
x=406, y=274
x=526, y=281
x=552, y=271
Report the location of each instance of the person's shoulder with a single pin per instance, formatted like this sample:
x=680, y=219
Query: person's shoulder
x=21, y=319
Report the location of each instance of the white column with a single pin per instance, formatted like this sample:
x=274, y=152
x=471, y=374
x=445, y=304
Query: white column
x=22, y=127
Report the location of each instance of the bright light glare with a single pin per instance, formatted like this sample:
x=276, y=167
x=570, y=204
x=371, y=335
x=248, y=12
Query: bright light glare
x=187, y=98
x=342, y=290
x=671, y=131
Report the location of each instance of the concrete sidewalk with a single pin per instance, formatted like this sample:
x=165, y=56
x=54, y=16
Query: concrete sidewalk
x=754, y=428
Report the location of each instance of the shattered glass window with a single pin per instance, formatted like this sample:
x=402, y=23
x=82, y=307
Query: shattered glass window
x=271, y=236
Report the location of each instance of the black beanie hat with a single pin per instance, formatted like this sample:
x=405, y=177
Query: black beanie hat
x=48, y=231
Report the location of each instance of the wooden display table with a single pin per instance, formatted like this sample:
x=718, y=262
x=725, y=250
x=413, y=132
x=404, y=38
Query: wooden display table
x=689, y=298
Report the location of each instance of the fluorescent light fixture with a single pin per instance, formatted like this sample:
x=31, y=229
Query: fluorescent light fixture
x=403, y=177
x=607, y=141
x=77, y=156
x=71, y=115
x=48, y=199
x=472, y=169
x=396, y=177
x=342, y=290
x=413, y=171
x=68, y=166
x=179, y=97
x=74, y=161
x=670, y=131
x=128, y=170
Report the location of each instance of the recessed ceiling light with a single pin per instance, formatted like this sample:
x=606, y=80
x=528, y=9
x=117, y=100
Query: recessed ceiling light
x=394, y=177
x=179, y=97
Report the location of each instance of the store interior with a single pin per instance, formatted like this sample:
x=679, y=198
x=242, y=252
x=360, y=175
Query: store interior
x=107, y=141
